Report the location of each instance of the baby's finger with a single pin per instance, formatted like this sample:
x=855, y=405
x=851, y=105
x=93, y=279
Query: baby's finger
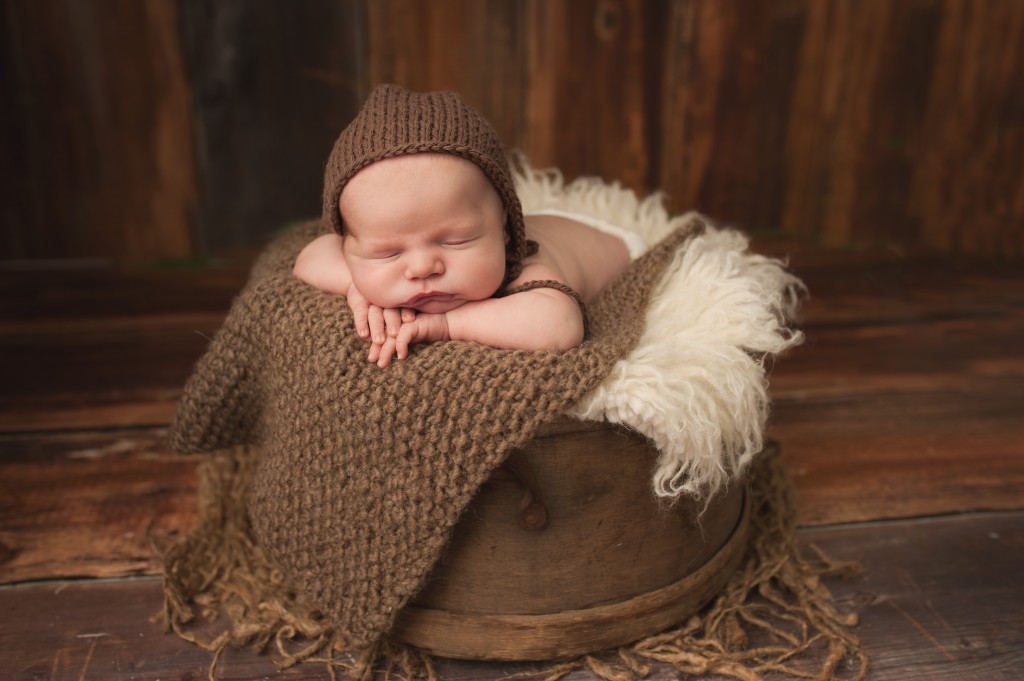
x=359, y=306
x=402, y=342
x=387, y=352
x=408, y=315
x=376, y=320
x=374, y=354
x=392, y=321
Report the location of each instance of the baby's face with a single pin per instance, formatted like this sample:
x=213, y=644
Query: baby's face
x=424, y=231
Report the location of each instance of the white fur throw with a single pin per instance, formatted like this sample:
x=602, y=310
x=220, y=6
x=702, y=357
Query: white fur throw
x=696, y=385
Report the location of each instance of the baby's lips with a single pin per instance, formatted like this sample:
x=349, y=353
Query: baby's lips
x=433, y=297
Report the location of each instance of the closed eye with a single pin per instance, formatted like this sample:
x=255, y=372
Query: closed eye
x=384, y=256
x=455, y=243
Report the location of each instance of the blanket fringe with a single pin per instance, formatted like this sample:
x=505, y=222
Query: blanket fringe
x=774, y=616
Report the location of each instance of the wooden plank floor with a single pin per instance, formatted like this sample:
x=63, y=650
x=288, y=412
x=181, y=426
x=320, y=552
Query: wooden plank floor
x=900, y=420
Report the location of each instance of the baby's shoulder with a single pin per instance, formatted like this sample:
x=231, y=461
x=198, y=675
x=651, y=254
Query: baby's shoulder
x=577, y=254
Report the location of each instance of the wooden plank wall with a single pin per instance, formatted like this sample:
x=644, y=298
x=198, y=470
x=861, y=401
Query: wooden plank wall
x=272, y=83
x=170, y=128
x=97, y=156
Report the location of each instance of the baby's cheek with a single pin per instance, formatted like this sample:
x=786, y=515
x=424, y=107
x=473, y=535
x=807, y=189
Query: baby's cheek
x=488, y=282
x=370, y=284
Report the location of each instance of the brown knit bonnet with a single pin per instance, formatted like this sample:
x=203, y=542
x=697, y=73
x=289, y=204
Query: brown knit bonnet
x=395, y=121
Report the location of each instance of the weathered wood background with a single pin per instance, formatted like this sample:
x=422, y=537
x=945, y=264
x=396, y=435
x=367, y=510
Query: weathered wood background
x=175, y=128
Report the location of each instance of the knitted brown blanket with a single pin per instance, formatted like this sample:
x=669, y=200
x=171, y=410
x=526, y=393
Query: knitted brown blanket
x=365, y=471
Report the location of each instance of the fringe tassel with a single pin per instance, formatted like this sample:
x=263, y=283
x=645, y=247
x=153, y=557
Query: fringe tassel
x=774, y=616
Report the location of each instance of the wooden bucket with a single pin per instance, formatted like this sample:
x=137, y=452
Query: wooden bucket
x=566, y=551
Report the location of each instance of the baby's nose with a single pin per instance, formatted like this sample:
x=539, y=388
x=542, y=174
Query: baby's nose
x=424, y=264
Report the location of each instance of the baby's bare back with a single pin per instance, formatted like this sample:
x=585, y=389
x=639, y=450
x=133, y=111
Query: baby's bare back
x=587, y=258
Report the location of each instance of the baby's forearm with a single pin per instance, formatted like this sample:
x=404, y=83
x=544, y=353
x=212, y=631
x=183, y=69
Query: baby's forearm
x=541, y=319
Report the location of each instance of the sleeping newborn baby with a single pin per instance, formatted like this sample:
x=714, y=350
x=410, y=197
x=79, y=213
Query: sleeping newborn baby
x=430, y=242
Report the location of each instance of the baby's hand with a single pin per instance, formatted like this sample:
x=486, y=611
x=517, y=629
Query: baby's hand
x=422, y=328
x=375, y=323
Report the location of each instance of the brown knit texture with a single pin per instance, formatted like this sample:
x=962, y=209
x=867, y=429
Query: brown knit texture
x=365, y=471
x=395, y=122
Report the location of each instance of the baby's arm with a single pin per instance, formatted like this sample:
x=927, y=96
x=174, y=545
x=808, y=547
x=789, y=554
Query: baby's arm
x=537, y=319
x=322, y=264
